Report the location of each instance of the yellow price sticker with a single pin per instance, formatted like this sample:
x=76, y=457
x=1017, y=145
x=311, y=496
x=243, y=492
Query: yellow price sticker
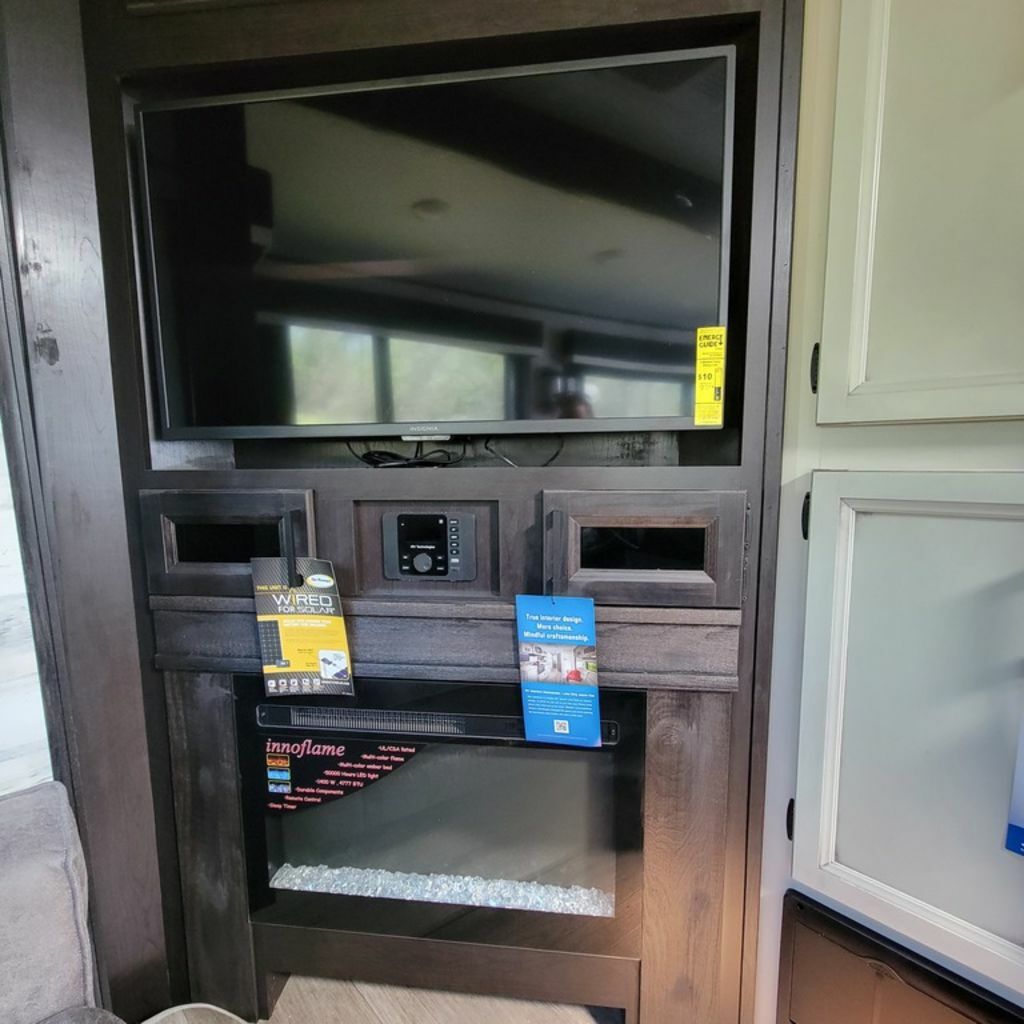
x=709, y=379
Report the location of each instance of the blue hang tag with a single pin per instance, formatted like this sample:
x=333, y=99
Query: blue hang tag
x=1015, y=831
x=558, y=670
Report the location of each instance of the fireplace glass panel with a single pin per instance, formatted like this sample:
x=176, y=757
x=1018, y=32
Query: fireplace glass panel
x=475, y=825
x=417, y=808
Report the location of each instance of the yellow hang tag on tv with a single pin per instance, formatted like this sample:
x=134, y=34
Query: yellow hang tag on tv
x=709, y=379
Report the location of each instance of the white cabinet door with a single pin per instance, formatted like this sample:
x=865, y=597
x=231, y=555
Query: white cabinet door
x=913, y=696
x=924, y=289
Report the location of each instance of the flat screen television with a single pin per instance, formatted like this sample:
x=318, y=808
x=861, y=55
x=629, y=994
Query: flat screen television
x=526, y=250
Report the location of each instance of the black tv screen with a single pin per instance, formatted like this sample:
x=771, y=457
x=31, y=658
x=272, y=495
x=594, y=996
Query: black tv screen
x=516, y=251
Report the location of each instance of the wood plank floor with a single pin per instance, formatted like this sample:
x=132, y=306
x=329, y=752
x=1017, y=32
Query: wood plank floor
x=316, y=1001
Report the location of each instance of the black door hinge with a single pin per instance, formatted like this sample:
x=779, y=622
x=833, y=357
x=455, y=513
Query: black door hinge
x=815, y=365
x=805, y=517
x=790, y=812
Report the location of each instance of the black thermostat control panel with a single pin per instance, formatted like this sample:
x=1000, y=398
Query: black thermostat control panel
x=427, y=545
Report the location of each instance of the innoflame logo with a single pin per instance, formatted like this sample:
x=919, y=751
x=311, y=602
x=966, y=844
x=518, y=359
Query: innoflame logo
x=307, y=746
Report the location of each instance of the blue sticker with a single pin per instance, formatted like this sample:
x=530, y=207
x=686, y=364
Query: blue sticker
x=558, y=670
x=1015, y=839
x=279, y=774
x=279, y=787
x=1015, y=830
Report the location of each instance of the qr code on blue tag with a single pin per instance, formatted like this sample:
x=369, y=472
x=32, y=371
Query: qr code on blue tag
x=561, y=726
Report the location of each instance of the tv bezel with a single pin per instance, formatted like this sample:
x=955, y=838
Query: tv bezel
x=165, y=374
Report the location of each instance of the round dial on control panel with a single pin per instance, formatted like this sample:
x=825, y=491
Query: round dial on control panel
x=423, y=562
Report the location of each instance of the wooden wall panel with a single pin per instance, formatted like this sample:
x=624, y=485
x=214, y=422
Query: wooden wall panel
x=207, y=804
x=56, y=239
x=686, y=812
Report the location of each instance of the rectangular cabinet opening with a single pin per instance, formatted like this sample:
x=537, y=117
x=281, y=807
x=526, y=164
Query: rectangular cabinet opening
x=200, y=543
x=643, y=548
x=226, y=542
x=667, y=548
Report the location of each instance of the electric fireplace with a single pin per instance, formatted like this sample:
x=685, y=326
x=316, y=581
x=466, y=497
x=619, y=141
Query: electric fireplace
x=417, y=809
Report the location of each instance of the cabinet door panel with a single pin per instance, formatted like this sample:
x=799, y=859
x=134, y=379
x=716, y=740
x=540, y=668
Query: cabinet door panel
x=923, y=297
x=913, y=695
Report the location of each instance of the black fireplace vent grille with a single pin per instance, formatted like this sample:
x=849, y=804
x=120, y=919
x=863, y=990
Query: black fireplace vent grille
x=419, y=723
x=403, y=723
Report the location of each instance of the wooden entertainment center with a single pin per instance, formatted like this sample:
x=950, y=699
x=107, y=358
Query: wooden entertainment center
x=174, y=913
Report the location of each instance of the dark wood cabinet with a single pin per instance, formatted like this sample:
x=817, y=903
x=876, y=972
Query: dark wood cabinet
x=168, y=523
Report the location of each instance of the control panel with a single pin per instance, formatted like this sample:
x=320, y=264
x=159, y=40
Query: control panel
x=427, y=545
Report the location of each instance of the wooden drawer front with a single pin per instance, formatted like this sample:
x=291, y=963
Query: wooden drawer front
x=713, y=571
x=200, y=542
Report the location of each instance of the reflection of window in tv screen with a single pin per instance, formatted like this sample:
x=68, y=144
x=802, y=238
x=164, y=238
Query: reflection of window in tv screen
x=619, y=396
x=445, y=380
x=319, y=392
x=494, y=250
